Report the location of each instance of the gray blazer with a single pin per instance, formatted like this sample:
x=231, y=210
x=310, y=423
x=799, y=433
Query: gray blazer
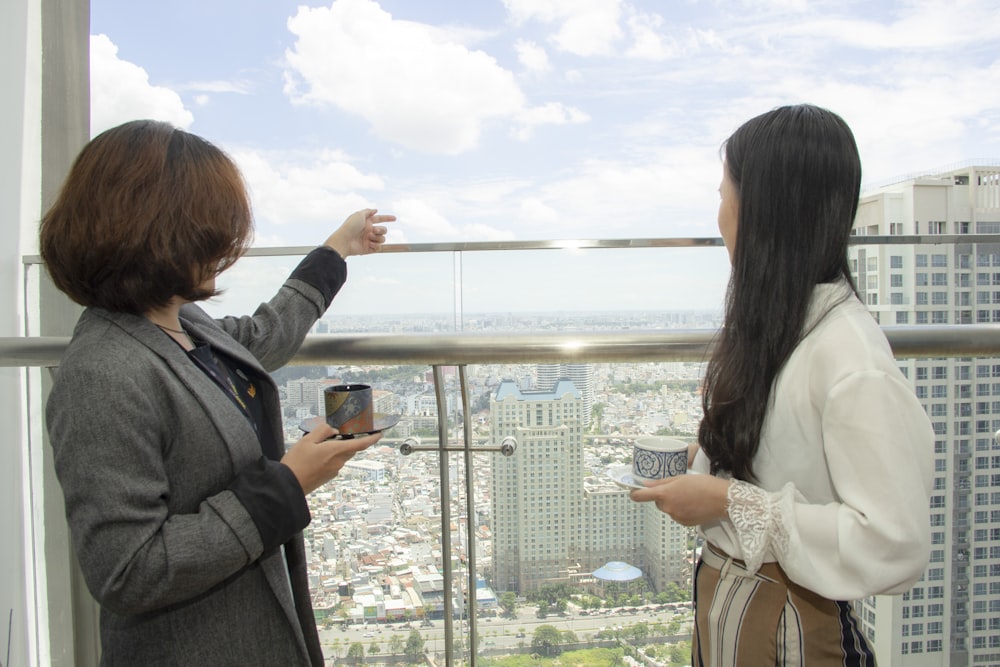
x=146, y=446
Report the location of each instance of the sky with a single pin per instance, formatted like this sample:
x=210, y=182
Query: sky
x=508, y=120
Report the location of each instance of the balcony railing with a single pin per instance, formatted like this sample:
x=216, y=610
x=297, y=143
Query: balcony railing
x=460, y=350
x=918, y=342
x=441, y=350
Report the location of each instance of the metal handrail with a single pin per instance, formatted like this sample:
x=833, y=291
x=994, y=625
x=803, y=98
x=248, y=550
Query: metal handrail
x=923, y=341
x=600, y=244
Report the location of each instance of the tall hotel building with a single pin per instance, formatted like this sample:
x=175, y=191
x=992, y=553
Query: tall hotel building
x=582, y=376
x=952, y=615
x=554, y=519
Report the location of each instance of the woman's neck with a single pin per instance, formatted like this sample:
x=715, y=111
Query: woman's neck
x=167, y=319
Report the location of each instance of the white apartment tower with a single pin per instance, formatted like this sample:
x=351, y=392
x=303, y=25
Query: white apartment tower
x=582, y=376
x=549, y=526
x=952, y=616
x=536, y=492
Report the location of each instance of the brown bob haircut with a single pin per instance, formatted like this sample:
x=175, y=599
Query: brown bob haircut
x=147, y=212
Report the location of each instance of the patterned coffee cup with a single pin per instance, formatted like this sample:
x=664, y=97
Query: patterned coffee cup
x=658, y=457
x=349, y=408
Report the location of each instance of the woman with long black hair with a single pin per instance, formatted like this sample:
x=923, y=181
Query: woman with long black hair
x=814, y=453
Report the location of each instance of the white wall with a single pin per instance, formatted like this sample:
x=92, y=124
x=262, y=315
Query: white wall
x=20, y=61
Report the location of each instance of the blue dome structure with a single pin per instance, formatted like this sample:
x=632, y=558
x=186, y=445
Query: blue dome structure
x=617, y=570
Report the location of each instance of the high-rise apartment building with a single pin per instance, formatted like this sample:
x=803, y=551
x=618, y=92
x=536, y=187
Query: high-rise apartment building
x=555, y=519
x=582, y=376
x=306, y=393
x=952, y=616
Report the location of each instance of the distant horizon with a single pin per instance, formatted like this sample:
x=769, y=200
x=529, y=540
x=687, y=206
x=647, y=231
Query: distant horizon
x=540, y=312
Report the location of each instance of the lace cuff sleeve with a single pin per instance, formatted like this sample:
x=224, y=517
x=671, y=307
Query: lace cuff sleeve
x=761, y=520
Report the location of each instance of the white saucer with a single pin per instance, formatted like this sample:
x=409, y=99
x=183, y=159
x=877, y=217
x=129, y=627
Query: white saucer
x=622, y=476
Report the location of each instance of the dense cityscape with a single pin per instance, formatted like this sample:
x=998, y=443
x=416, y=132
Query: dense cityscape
x=376, y=530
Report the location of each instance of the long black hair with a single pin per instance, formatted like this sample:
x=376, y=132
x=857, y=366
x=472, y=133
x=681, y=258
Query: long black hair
x=797, y=173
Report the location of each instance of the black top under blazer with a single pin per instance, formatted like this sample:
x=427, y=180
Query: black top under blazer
x=177, y=512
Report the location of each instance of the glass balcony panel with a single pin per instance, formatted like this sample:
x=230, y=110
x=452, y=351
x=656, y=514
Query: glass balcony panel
x=378, y=287
x=544, y=289
x=379, y=530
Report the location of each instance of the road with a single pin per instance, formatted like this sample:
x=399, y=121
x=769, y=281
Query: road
x=497, y=632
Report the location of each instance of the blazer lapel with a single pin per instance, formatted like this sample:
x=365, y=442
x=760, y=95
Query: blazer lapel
x=273, y=441
x=233, y=428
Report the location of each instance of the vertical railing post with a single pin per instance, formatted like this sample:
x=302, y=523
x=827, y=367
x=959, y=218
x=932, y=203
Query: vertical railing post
x=444, y=449
x=471, y=600
x=443, y=460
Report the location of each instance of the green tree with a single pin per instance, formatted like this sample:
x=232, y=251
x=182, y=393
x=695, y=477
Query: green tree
x=414, y=650
x=597, y=417
x=680, y=653
x=546, y=640
x=355, y=652
x=552, y=593
x=508, y=603
x=675, y=593
x=396, y=644
x=373, y=648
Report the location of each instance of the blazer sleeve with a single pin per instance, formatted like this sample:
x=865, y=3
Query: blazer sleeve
x=277, y=328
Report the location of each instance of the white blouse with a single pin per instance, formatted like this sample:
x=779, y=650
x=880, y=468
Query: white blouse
x=844, y=464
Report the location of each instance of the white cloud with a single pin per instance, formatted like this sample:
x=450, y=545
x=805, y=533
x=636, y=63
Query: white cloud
x=531, y=56
x=585, y=27
x=426, y=222
x=774, y=5
x=920, y=26
x=120, y=91
x=238, y=87
x=920, y=119
x=487, y=233
x=423, y=219
x=408, y=80
x=305, y=195
x=659, y=86
x=535, y=211
x=648, y=43
x=552, y=113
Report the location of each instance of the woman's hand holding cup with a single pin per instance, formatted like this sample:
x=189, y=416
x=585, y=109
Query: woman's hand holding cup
x=316, y=459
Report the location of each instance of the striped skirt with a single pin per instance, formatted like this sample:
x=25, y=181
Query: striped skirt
x=765, y=619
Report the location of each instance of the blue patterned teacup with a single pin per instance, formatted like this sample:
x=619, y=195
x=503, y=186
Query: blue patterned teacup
x=657, y=457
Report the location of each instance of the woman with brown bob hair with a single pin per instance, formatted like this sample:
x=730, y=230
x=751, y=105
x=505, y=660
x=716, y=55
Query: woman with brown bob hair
x=185, y=509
